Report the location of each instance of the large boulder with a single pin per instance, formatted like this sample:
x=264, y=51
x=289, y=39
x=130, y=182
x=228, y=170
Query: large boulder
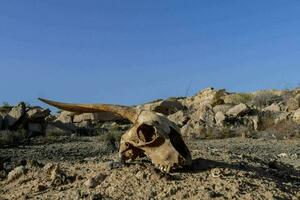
x=296, y=116
x=166, y=107
x=274, y=107
x=294, y=103
x=15, y=115
x=180, y=118
x=222, y=108
x=96, y=117
x=238, y=110
x=193, y=129
x=37, y=114
x=220, y=118
x=65, y=117
x=204, y=114
x=208, y=96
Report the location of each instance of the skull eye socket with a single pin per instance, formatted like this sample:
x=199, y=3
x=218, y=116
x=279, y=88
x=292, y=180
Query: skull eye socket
x=146, y=133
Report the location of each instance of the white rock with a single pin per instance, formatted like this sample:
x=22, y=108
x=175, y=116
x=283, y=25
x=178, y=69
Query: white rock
x=15, y=114
x=296, y=116
x=238, y=110
x=282, y=155
x=293, y=104
x=15, y=173
x=65, y=117
x=180, y=118
x=220, y=118
x=272, y=108
x=37, y=113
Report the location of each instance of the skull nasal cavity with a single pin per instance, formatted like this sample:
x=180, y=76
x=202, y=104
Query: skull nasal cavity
x=146, y=133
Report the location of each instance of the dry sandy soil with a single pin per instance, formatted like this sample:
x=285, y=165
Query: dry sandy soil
x=85, y=168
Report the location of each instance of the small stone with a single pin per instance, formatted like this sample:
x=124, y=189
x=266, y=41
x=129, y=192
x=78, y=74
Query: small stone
x=49, y=167
x=140, y=175
x=96, y=180
x=282, y=155
x=16, y=173
x=216, y=172
x=40, y=188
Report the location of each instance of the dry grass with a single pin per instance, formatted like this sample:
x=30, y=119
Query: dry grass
x=13, y=138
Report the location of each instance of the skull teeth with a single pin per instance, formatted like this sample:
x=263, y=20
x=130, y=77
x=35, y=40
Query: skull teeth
x=164, y=168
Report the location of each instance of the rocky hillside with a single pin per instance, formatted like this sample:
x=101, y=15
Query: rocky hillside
x=208, y=114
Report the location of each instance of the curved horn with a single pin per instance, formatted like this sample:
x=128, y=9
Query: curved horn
x=124, y=111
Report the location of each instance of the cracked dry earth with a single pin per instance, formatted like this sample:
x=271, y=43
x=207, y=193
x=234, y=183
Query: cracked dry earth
x=233, y=168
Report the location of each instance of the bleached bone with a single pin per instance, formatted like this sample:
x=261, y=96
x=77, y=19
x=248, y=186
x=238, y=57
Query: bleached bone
x=152, y=134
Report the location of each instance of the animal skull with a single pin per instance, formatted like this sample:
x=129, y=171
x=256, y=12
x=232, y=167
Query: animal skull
x=152, y=135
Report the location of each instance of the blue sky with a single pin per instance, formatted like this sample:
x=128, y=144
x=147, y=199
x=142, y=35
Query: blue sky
x=130, y=52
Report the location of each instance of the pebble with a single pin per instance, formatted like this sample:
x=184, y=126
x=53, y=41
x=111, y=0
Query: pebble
x=95, y=180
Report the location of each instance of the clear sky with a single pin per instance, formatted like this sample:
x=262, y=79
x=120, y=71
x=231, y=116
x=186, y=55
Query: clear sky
x=134, y=51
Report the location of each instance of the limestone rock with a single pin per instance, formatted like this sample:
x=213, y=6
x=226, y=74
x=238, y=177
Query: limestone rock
x=192, y=129
x=95, y=180
x=204, y=114
x=15, y=173
x=16, y=113
x=208, y=96
x=37, y=113
x=165, y=107
x=65, y=117
x=238, y=110
x=223, y=108
x=293, y=104
x=96, y=117
x=237, y=98
x=220, y=118
x=296, y=116
x=180, y=118
x=255, y=122
x=274, y=107
x=281, y=116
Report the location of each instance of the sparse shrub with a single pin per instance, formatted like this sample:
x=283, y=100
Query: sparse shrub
x=13, y=138
x=238, y=98
x=110, y=136
x=286, y=129
x=57, y=134
x=265, y=98
x=6, y=104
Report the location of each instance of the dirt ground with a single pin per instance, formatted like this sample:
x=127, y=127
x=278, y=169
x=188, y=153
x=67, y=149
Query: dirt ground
x=86, y=168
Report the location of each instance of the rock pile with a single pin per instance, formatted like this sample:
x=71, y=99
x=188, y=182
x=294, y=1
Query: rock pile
x=215, y=113
x=209, y=113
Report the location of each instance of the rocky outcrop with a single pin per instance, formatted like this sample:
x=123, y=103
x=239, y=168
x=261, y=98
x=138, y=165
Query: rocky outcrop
x=238, y=110
x=166, y=107
x=14, y=115
x=209, y=112
x=296, y=116
x=180, y=117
